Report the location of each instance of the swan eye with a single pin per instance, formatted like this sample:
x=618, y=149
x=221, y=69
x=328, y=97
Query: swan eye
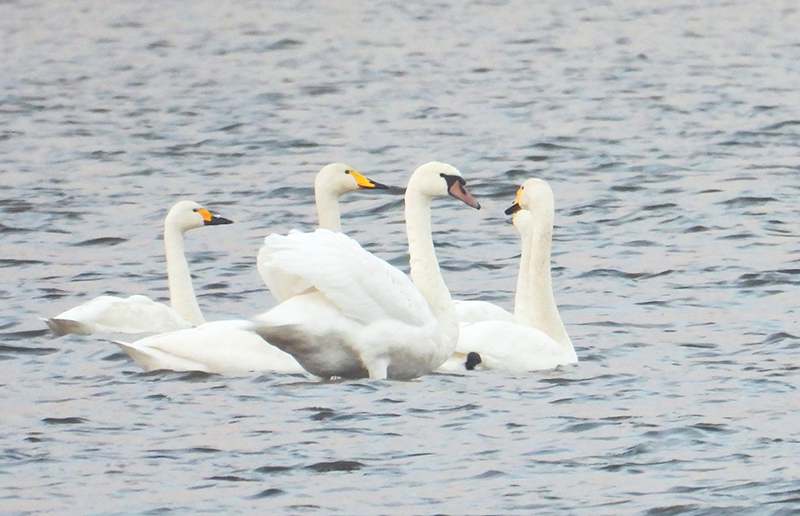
x=453, y=179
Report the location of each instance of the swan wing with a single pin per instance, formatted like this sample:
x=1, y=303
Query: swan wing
x=134, y=314
x=223, y=347
x=363, y=288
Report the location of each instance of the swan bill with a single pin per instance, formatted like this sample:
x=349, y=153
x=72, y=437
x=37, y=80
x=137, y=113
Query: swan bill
x=456, y=186
x=515, y=207
x=365, y=182
x=210, y=219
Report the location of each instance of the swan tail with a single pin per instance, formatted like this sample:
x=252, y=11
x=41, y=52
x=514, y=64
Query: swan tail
x=67, y=326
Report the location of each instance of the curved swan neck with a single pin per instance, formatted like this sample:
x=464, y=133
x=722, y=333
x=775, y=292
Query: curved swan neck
x=424, y=266
x=544, y=311
x=328, y=210
x=181, y=292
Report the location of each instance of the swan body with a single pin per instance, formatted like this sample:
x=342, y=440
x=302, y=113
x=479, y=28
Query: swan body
x=139, y=314
x=222, y=347
x=230, y=347
x=536, y=339
x=115, y=314
x=470, y=311
x=346, y=313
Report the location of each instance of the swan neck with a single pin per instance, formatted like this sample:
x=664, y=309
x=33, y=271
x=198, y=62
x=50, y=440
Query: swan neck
x=328, y=210
x=181, y=292
x=544, y=312
x=425, y=272
x=523, y=310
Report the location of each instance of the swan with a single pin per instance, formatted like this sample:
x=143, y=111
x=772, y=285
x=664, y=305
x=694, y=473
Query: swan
x=352, y=315
x=138, y=313
x=229, y=347
x=537, y=340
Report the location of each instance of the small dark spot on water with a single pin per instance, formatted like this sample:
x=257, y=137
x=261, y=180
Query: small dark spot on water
x=268, y=493
x=321, y=414
x=492, y=473
x=672, y=510
x=339, y=465
x=626, y=188
x=284, y=44
x=270, y=470
x=748, y=201
x=64, y=420
x=712, y=427
x=105, y=241
x=203, y=449
x=536, y=158
x=7, y=262
x=231, y=478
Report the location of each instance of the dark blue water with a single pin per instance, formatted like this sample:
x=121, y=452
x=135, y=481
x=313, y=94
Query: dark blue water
x=669, y=133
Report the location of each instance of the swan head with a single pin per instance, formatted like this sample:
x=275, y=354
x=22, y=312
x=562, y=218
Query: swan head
x=338, y=179
x=473, y=359
x=535, y=196
x=436, y=178
x=186, y=215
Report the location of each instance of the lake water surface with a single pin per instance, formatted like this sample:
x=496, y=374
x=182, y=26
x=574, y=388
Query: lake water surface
x=669, y=132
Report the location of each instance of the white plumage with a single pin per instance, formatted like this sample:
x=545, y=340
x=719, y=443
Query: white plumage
x=229, y=347
x=537, y=338
x=140, y=314
x=346, y=313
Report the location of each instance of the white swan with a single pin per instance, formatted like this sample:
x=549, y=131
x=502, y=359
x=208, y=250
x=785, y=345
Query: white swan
x=228, y=347
x=358, y=316
x=538, y=339
x=137, y=314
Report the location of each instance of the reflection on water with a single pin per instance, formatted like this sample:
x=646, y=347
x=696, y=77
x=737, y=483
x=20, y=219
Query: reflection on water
x=669, y=135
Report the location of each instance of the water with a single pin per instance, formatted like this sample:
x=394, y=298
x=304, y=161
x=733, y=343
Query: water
x=668, y=132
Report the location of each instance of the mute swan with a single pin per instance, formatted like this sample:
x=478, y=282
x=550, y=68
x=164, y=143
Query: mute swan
x=538, y=340
x=137, y=314
x=358, y=316
x=229, y=347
